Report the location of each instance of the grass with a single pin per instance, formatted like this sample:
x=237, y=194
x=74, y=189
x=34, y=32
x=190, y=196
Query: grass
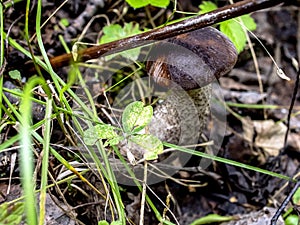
x=73, y=121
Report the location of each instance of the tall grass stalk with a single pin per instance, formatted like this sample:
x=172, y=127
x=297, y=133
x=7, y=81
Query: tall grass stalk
x=26, y=155
x=59, y=82
x=45, y=155
x=2, y=38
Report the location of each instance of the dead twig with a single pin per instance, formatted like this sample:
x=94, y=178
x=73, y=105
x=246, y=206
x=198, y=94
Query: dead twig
x=197, y=22
x=284, y=203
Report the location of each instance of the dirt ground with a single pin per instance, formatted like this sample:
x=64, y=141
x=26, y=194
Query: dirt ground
x=255, y=137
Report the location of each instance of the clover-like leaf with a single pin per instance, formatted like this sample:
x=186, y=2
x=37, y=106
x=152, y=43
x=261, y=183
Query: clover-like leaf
x=100, y=131
x=150, y=144
x=113, y=141
x=136, y=117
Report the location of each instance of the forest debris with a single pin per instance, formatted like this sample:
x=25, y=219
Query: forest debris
x=266, y=134
x=294, y=142
x=57, y=214
x=270, y=136
x=248, y=97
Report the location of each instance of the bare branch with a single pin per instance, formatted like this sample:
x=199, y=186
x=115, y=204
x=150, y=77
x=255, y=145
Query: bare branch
x=197, y=22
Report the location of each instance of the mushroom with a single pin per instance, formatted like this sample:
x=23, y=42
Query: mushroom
x=187, y=64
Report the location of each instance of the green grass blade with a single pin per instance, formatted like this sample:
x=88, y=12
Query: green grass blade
x=252, y=106
x=2, y=38
x=26, y=156
x=135, y=180
x=44, y=177
x=228, y=161
x=9, y=142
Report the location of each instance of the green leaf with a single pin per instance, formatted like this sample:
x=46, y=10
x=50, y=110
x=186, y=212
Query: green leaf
x=11, y=214
x=115, y=32
x=136, y=117
x=103, y=222
x=292, y=220
x=113, y=141
x=232, y=28
x=159, y=3
x=143, y=3
x=235, y=33
x=211, y=218
x=296, y=197
x=100, y=131
x=64, y=22
x=118, y=222
x=248, y=22
x=15, y=74
x=151, y=145
x=137, y=3
x=207, y=6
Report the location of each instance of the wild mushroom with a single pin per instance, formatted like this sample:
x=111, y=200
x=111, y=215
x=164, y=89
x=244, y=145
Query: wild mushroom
x=191, y=61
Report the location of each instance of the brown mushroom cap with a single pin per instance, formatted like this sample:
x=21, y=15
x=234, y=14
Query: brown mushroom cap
x=192, y=60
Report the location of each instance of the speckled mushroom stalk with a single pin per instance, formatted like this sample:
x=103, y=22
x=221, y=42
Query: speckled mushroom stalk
x=190, y=62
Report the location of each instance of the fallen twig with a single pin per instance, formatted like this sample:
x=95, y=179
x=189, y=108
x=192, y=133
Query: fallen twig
x=284, y=203
x=197, y=22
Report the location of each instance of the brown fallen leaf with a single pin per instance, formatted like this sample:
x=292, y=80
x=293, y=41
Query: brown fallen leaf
x=270, y=136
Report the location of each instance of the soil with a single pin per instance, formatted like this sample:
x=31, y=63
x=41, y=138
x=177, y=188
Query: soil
x=255, y=137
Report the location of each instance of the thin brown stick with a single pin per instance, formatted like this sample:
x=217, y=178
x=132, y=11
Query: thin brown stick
x=204, y=20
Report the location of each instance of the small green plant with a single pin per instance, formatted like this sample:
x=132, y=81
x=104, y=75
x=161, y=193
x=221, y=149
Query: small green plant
x=115, y=32
x=135, y=118
x=15, y=74
x=291, y=218
x=143, y=3
x=64, y=22
x=232, y=28
x=11, y=214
